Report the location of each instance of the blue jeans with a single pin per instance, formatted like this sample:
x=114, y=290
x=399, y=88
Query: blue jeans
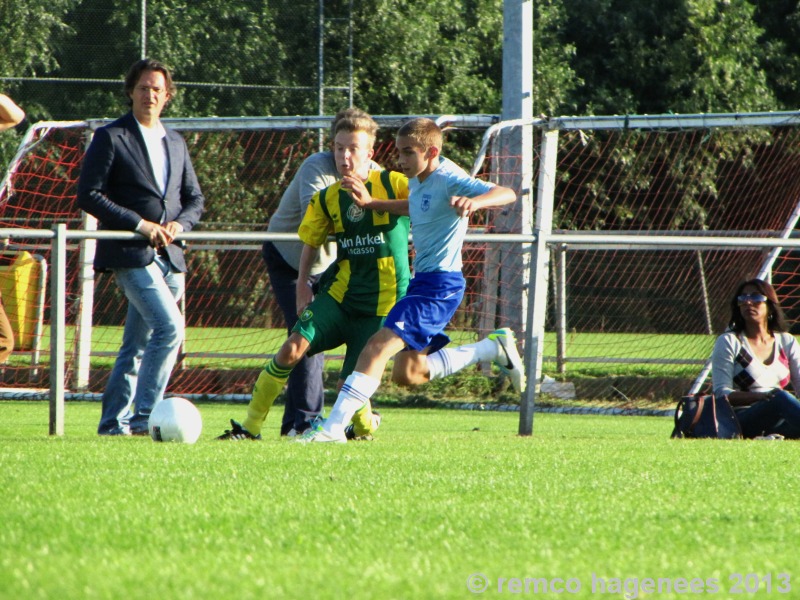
x=779, y=414
x=154, y=330
x=305, y=394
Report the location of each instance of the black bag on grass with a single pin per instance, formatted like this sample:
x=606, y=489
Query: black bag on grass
x=706, y=416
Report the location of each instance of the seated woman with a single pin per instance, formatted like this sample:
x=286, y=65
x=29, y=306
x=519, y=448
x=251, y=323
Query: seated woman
x=755, y=360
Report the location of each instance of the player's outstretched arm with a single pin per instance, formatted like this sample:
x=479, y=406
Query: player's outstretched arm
x=10, y=114
x=497, y=196
x=364, y=199
x=395, y=207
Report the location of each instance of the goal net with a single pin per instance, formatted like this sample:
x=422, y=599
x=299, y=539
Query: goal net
x=632, y=323
x=626, y=324
x=233, y=323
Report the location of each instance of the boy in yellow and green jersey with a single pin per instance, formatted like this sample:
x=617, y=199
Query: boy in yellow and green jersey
x=370, y=274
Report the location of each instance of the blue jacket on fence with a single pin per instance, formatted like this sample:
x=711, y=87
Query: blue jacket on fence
x=117, y=185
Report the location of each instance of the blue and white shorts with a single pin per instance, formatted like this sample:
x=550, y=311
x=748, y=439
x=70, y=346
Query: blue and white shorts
x=421, y=316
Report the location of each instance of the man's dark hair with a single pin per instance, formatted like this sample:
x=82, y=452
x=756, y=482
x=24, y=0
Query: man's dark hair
x=147, y=64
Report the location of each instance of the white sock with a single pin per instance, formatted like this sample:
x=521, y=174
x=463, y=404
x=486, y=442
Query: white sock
x=451, y=360
x=355, y=393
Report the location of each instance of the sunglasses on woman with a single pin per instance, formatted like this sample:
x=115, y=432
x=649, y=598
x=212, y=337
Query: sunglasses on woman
x=751, y=299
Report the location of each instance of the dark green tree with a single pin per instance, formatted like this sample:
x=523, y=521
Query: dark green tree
x=440, y=57
x=780, y=41
x=242, y=48
x=683, y=56
x=554, y=77
x=717, y=64
x=26, y=29
x=672, y=56
x=29, y=32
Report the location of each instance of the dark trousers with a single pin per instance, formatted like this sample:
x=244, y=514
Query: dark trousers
x=779, y=414
x=304, y=391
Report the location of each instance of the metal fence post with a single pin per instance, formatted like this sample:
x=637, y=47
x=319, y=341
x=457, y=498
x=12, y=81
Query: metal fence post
x=58, y=313
x=560, y=297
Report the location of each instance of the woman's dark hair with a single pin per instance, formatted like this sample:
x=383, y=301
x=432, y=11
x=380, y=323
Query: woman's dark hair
x=147, y=64
x=776, y=321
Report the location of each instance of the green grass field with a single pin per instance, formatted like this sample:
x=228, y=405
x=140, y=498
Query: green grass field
x=440, y=498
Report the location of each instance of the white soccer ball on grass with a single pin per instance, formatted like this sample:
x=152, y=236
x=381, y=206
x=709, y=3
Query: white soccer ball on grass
x=175, y=420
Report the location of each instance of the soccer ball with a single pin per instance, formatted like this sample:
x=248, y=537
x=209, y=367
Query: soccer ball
x=175, y=420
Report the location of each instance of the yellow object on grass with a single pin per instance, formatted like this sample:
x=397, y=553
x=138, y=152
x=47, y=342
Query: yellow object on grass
x=19, y=286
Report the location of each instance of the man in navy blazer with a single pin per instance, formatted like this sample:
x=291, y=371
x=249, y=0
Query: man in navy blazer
x=137, y=176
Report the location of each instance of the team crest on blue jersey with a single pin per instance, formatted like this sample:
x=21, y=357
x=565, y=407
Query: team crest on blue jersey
x=426, y=202
x=355, y=213
x=306, y=315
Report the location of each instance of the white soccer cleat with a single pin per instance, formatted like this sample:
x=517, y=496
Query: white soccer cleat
x=508, y=358
x=769, y=437
x=313, y=436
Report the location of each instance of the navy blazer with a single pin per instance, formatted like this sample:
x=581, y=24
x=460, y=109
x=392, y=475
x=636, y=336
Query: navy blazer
x=117, y=185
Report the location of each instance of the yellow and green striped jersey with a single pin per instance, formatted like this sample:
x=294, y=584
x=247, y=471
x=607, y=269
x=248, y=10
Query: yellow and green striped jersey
x=371, y=271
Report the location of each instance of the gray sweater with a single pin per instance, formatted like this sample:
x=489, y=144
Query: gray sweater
x=733, y=363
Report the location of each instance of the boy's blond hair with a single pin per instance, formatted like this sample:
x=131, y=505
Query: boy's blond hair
x=358, y=121
x=422, y=131
x=347, y=113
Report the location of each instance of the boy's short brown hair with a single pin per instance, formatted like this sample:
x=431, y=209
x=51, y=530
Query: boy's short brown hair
x=362, y=122
x=422, y=131
x=347, y=113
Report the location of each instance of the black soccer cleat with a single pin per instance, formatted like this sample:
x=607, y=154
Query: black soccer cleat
x=237, y=433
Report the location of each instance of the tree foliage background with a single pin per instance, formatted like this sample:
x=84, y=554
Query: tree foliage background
x=409, y=56
x=64, y=59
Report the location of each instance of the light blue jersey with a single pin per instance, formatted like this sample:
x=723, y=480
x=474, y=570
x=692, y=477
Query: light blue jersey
x=437, y=229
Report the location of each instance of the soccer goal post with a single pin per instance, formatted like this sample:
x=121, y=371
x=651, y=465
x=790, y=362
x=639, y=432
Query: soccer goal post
x=646, y=224
x=234, y=325
x=655, y=221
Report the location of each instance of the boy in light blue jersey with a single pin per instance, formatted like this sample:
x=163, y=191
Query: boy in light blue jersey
x=441, y=198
